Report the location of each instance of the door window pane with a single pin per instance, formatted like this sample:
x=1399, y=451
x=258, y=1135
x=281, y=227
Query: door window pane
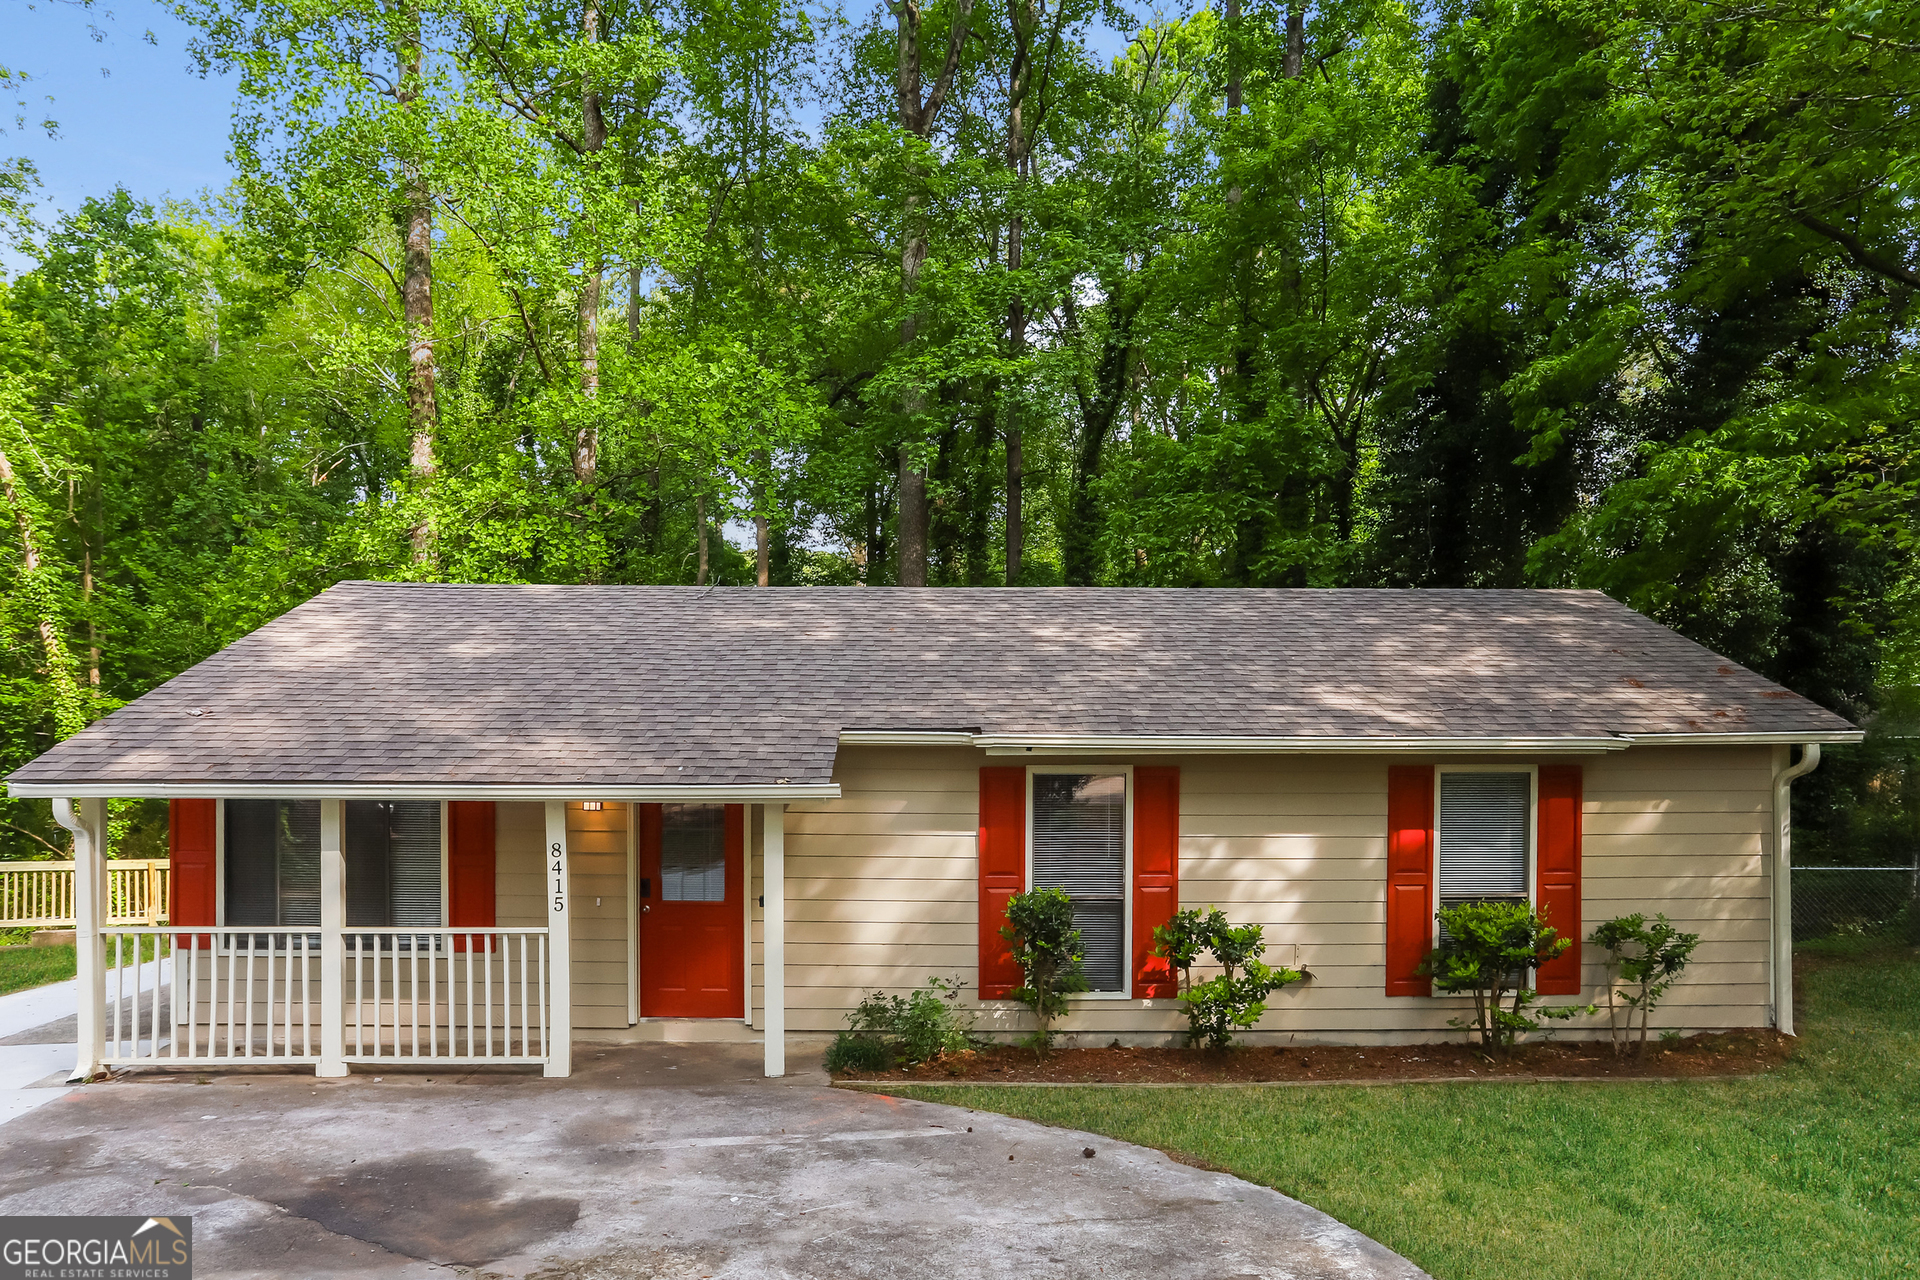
x=693, y=852
x=1080, y=845
x=1483, y=835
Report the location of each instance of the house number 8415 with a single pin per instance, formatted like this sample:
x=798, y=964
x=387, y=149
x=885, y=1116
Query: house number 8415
x=559, y=879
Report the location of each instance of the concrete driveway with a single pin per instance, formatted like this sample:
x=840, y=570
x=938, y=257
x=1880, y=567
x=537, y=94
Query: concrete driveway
x=653, y=1161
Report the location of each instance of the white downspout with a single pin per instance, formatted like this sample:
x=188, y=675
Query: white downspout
x=89, y=876
x=1783, y=883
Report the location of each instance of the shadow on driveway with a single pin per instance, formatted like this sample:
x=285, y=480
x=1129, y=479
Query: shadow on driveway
x=654, y=1161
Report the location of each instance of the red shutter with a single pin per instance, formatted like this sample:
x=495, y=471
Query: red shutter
x=1558, y=853
x=1156, y=875
x=1409, y=877
x=193, y=864
x=1003, y=872
x=470, y=845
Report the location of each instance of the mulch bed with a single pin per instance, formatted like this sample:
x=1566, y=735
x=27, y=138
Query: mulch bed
x=1718, y=1054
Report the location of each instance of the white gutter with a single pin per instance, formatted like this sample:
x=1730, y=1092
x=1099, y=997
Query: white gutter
x=1183, y=744
x=1800, y=738
x=1002, y=744
x=747, y=793
x=1782, y=965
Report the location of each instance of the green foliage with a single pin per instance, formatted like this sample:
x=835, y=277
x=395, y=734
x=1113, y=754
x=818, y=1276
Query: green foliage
x=1234, y=998
x=1487, y=950
x=1648, y=958
x=894, y=1030
x=1498, y=293
x=1047, y=948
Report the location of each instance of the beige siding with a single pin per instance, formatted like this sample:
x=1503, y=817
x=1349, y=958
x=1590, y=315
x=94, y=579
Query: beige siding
x=597, y=880
x=881, y=888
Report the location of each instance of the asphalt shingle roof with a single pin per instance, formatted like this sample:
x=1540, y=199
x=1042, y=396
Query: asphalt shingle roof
x=411, y=684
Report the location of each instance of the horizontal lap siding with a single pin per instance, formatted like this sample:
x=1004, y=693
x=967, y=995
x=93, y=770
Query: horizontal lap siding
x=881, y=888
x=596, y=868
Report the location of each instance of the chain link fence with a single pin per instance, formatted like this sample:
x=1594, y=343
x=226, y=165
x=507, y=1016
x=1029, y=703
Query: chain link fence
x=1858, y=901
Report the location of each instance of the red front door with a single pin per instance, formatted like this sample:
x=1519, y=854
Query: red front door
x=692, y=910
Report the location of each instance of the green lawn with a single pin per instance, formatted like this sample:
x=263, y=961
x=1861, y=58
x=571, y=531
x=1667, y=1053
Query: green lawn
x=23, y=967
x=1810, y=1171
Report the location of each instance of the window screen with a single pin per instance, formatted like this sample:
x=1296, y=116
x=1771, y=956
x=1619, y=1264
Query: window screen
x=693, y=852
x=273, y=862
x=1483, y=835
x=1080, y=845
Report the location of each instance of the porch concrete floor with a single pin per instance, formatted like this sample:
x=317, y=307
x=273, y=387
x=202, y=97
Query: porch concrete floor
x=654, y=1161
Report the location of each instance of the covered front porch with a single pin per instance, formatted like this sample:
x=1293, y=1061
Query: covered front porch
x=344, y=930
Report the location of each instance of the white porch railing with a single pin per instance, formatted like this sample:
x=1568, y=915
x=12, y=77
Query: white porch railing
x=222, y=996
x=446, y=995
x=40, y=894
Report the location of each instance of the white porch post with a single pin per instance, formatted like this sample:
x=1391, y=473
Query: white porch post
x=559, y=946
x=89, y=828
x=333, y=947
x=773, y=876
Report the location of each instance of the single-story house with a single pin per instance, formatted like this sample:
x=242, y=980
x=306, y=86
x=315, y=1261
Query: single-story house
x=466, y=823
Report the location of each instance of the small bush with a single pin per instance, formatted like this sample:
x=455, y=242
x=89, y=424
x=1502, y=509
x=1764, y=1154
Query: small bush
x=851, y=1051
x=1648, y=958
x=1047, y=948
x=892, y=1030
x=1237, y=995
x=1486, y=950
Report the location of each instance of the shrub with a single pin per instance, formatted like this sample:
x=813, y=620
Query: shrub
x=893, y=1030
x=1047, y=948
x=1649, y=959
x=851, y=1051
x=1486, y=950
x=1237, y=995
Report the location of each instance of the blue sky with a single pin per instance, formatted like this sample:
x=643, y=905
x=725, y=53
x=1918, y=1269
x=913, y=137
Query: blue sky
x=131, y=113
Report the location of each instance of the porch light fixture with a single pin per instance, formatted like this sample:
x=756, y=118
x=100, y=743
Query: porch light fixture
x=590, y=806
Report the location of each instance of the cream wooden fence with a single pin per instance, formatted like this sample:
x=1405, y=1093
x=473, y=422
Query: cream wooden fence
x=40, y=894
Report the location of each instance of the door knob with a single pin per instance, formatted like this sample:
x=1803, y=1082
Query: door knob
x=644, y=910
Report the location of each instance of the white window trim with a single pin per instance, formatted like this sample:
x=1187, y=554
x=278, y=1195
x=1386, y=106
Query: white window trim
x=1126, y=891
x=1533, y=822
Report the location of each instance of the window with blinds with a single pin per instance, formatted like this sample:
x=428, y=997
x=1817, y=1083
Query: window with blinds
x=1080, y=845
x=273, y=862
x=392, y=851
x=1483, y=836
x=693, y=852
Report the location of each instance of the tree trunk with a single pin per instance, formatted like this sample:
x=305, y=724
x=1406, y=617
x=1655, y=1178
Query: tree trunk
x=1023, y=21
x=760, y=550
x=911, y=536
x=1295, y=57
x=593, y=140
x=700, y=523
x=416, y=289
x=917, y=114
x=69, y=715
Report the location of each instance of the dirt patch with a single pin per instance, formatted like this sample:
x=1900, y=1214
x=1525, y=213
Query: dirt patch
x=1717, y=1054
